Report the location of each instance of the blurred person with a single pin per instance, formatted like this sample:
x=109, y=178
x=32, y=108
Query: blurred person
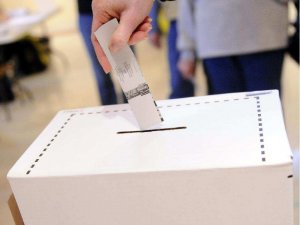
x=3, y=15
x=293, y=48
x=104, y=82
x=6, y=92
x=241, y=42
x=180, y=86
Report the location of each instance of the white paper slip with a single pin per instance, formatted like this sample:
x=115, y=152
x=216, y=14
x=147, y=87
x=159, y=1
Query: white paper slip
x=133, y=84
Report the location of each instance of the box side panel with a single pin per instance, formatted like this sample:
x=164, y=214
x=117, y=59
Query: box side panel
x=246, y=196
x=34, y=150
x=275, y=139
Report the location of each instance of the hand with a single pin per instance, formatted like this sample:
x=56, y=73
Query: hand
x=187, y=67
x=154, y=38
x=134, y=24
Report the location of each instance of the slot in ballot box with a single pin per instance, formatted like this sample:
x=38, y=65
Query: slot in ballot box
x=222, y=159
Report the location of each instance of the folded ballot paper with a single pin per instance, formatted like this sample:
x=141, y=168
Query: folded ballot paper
x=216, y=160
x=133, y=84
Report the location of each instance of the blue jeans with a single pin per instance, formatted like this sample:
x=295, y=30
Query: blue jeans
x=249, y=72
x=180, y=87
x=104, y=82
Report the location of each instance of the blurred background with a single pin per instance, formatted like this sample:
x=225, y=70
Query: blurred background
x=50, y=69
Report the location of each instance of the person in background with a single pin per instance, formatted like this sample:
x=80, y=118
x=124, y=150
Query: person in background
x=241, y=42
x=3, y=16
x=104, y=82
x=293, y=48
x=180, y=86
x=6, y=91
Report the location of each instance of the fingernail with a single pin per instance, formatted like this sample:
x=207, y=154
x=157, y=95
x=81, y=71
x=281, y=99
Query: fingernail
x=149, y=28
x=149, y=19
x=106, y=70
x=106, y=67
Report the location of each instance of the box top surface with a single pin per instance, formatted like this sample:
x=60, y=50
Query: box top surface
x=210, y=132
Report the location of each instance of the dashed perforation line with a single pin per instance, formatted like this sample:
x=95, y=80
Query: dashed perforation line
x=166, y=106
x=45, y=149
x=260, y=129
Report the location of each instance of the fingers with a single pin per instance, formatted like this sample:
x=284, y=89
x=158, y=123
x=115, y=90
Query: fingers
x=98, y=50
x=140, y=33
x=134, y=24
x=101, y=55
x=127, y=27
x=137, y=37
x=145, y=26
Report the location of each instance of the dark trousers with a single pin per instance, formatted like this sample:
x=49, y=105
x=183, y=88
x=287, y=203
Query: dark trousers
x=249, y=72
x=180, y=87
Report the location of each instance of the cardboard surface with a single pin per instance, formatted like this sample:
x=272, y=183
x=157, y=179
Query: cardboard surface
x=221, y=159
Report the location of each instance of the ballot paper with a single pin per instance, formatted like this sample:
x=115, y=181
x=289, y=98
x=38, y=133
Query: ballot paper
x=133, y=84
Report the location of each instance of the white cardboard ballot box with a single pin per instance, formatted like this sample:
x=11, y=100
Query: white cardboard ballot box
x=215, y=160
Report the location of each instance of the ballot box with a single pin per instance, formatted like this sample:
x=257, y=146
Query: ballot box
x=222, y=159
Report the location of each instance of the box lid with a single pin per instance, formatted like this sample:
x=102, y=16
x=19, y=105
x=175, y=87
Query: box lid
x=210, y=132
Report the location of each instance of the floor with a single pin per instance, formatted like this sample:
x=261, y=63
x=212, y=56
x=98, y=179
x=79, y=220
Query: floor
x=69, y=83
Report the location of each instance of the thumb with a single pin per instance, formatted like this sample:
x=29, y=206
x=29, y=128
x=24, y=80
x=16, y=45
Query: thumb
x=121, y=36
